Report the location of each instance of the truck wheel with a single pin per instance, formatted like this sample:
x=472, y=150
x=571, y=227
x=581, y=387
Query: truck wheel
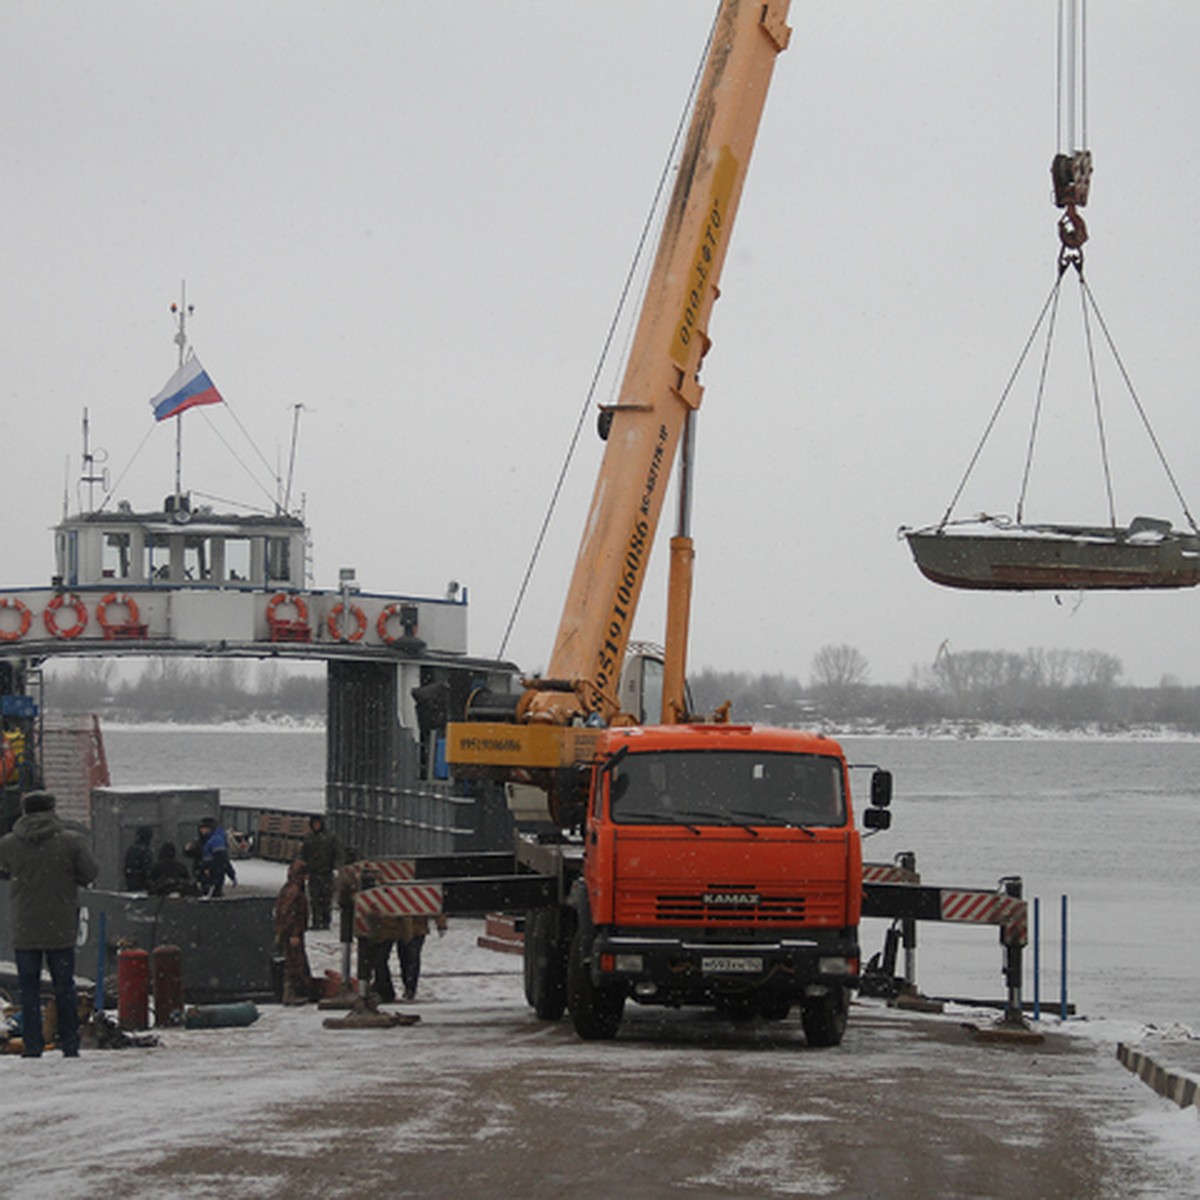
x=595, y=1011
x=824, y=1017
x=545, y=970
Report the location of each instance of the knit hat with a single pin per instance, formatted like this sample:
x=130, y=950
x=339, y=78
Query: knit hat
x=38, y=802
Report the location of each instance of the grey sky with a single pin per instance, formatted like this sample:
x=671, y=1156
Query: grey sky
x=415, y=220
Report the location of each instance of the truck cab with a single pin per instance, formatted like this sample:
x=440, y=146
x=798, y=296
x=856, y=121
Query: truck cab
x=722, y=867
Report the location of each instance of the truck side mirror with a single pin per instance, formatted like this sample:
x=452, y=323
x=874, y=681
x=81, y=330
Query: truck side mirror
x=877, y=818
x=881, y=788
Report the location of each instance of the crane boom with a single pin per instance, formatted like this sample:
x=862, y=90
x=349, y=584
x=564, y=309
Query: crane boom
x=659, y=390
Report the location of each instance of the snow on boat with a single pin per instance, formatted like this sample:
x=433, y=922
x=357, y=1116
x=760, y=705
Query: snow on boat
x=998, y=554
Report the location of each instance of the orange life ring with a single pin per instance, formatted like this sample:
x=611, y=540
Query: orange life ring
x=112, y=598
x=15, y=635
x=50, y=616
x=389, y=611
x=283, y=598
x=335, y=626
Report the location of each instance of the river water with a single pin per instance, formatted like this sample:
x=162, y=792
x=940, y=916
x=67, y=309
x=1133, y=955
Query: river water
x=1113, y=825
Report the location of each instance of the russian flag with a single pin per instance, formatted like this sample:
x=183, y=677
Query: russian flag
x=189, y=387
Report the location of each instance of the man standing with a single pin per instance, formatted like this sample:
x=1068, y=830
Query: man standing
x=291, y=920
x=139, y=861
x=47, y=864
x=322, y=855
x=215, y=866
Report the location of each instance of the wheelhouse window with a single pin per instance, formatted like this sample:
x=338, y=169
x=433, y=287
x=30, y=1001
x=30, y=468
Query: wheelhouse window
x=728, y=787
x=237, y=559
x=279, y=560
x=117, y=560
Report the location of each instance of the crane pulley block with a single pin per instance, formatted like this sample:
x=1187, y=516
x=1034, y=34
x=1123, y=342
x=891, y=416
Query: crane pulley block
x=1072, y=176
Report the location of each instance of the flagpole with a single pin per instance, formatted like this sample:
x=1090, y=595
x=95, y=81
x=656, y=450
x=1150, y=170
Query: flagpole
x=181, y=342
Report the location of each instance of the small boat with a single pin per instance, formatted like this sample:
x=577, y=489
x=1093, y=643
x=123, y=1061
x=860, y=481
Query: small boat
x=999, y=554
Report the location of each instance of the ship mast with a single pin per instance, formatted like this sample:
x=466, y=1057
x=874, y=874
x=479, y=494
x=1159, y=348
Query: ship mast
x=183, y=310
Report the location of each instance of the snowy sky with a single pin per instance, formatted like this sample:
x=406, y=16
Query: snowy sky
x=415, y=220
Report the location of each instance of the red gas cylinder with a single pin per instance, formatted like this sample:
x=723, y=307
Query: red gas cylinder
x=166, y=975
x=133, y=988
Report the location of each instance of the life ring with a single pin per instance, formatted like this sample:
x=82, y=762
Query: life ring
x=335, y=626
x=112, y=598
x=50, y=616
x=283, y=598
x=15, y=635
x=381, y=626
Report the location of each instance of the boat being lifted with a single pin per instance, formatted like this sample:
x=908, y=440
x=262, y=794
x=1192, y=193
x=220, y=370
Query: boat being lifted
x=998, y=554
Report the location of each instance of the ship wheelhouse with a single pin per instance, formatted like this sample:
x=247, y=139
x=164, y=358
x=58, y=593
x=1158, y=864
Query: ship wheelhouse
x=179, y=546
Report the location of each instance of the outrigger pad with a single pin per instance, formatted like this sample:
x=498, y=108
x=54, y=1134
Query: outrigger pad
x=370, y=1020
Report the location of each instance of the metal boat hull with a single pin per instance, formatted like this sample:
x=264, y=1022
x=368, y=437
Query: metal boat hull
x=1056, y=558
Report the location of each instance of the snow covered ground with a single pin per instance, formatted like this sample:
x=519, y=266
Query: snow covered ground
x=482, y=1099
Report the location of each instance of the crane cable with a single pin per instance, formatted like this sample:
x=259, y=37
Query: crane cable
x=648, y=225
x=1071, y=175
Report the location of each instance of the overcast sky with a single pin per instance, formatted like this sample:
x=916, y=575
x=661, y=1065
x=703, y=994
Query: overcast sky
x=415, y=220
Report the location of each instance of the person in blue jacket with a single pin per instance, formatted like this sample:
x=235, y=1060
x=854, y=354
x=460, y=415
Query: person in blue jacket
x=215, y=866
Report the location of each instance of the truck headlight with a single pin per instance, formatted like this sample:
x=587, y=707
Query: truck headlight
x=629, y=964
x=833, y=966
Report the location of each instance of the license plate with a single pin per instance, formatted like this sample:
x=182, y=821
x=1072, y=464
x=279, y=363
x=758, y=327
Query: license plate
x=731, y=966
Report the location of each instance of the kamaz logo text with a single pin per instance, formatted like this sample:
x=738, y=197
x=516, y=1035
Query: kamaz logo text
x=732, y=899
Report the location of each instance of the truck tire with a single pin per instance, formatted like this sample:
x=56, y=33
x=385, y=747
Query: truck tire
x=595, y=1011
x=824, y=1017
x=545, y=965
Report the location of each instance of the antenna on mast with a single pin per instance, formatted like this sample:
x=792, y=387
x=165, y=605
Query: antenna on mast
x=297, y=409
x=90, y=475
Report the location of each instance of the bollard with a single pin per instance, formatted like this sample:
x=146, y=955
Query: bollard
x=166, y=970
x=133, y=988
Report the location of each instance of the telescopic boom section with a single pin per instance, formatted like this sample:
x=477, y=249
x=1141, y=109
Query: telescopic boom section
x=660, y=385
x=660, y=388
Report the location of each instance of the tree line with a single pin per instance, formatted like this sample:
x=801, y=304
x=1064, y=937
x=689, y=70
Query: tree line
x=1060, y=689
x=186, y=690
x=1055, y=689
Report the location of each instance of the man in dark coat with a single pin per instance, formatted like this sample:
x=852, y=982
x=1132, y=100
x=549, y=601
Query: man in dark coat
x=323, y=856
x=168, y=876
x=139, y=861
x=291, y=920
x=47, y=865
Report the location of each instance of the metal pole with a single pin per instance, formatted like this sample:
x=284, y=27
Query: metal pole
x=1012, y=960
x=1062, y=974
x=101, y=938
x=1037, y=958
x=908, y=929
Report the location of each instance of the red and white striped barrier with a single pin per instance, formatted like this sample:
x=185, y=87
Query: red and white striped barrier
x=395, y=900
x=888, y=873
x=381, y=870
x=988, y=908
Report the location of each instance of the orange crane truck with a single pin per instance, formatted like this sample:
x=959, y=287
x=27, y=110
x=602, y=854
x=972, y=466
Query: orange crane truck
x=685, y=862
x=689, y=861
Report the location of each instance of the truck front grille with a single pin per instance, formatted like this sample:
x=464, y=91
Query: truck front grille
x=695, y=910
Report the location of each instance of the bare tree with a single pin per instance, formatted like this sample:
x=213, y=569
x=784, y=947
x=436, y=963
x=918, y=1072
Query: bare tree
x=839, y=667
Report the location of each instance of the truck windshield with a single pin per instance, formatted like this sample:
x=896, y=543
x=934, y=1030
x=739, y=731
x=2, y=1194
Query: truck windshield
x=728, y=787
